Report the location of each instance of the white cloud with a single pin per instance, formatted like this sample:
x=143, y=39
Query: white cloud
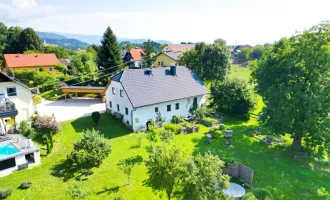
x=22, y=10
x=24, y=3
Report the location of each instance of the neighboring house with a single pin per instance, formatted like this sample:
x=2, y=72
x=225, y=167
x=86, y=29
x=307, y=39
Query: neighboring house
x=134, y=56
x=139, y=94
x=66, y=62
x=123, y=54
x=15, y=99
x=177, y=47
x=167, y=59
x=237, y=50
x=19, y=62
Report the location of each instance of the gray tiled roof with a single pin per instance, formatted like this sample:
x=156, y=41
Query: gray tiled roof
x=162, y=86
x=173, y=55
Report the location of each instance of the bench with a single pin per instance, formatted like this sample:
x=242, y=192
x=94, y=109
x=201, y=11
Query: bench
x=301, y=155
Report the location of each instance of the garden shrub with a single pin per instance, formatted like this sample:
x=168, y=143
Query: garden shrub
x=176, y=119
x=172, y=127
x=233, y=97
x=90, y=150
x=77, y=192
x=209, y=119
x=96, y=118
x=26, y=185
x=166, y=136
x=5, y=192
x=25, y=128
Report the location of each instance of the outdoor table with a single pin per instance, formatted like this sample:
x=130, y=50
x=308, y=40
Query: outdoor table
x=234, y=190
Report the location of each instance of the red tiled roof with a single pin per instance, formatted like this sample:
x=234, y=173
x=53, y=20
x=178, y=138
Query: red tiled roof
x=30, y=60
x=136, y=53
x=181, y=47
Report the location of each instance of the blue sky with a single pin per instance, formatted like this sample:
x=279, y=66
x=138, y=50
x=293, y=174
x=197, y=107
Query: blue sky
x=237, y=21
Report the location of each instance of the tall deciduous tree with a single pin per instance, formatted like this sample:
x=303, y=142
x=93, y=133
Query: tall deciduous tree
x=29, y=40
x=166, y=166
x=109, y=53
x=221, y=41
x=3, y=36
x=293, y=79
x=148, y=58
x=204, y=178
x=257, y=52
x=12, y=42
x=210, y=62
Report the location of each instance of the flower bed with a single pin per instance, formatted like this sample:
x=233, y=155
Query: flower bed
x=210, y=122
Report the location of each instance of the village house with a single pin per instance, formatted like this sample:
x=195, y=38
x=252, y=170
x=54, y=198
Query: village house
x=177, y=47
x=166, y=59
x=137, y=95
x=134, y=57
x=18, y=62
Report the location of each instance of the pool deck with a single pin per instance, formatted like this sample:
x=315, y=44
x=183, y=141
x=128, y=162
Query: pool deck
x=19, y=145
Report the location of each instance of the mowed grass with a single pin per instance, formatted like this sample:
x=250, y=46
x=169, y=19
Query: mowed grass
x=236, y=71
x=274, y=166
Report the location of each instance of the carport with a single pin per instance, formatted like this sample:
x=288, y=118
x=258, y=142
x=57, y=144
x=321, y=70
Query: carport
x=84, y=89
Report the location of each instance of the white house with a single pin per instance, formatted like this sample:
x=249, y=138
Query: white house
x=15, y=99
x=138, y=94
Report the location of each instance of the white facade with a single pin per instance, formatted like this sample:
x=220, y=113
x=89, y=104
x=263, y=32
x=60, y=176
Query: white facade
x=139, y=117
x=22, y=99
x=137, y=63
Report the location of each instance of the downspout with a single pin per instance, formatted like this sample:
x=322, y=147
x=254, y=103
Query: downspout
x=132, y=119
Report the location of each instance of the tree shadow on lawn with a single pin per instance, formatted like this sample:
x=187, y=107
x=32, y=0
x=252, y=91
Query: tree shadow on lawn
x=109, y=126
x=274, y=166
x=67, y=171
x=108, y=190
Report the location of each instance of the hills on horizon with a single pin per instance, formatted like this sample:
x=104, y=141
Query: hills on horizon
x=75, y=41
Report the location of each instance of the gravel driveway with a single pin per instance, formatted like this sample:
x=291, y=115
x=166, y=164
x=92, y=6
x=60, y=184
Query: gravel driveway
x=72, y=109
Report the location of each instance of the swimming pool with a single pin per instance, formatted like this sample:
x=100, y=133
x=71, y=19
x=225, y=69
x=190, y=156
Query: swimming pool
x=8, y=149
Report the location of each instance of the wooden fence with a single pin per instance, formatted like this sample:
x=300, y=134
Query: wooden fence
x=240, y=171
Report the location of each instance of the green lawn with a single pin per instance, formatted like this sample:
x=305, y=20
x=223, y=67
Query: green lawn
x=274, y=166
x=237, y=71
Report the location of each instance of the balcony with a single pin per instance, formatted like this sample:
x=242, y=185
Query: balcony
x=7, y=108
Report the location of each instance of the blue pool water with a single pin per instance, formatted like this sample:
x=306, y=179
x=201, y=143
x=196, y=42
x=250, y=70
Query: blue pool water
x=7, y=149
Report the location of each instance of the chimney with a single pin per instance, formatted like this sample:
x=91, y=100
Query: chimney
x=173, y=70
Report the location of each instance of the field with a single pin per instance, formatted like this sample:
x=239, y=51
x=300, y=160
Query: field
x=275, y=168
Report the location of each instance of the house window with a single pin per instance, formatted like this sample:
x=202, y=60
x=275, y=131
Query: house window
x=168, y=108
x=159, y=63
x=113, y=91
x=11, y=91
x=118, y=108
x=126, y=111
x=188, y=101
x=110, y=104
x=121, y=93
x=156, y=110
x=162, y=63
x=36, y=69
x=50, y=69
x=177, y=106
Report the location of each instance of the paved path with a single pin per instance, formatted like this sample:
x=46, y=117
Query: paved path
x=72, y=109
